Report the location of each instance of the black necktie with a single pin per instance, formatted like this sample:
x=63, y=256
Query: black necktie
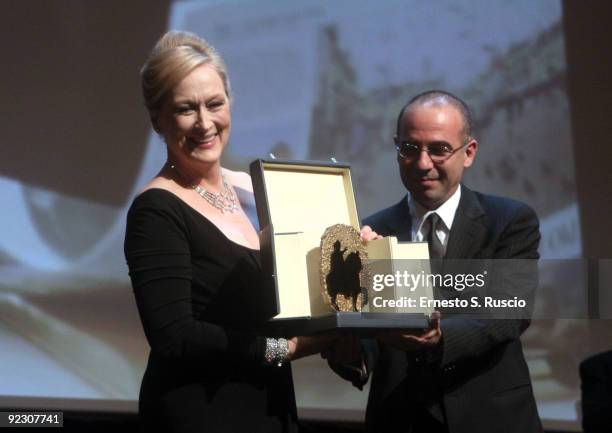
x=436, y=249
x=431, y=402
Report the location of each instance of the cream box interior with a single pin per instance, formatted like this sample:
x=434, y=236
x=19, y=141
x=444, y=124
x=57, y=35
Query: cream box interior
x=296, y=203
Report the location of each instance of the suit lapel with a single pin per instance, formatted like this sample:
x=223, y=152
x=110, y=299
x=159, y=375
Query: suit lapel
x=400, y=223
x=468, y=227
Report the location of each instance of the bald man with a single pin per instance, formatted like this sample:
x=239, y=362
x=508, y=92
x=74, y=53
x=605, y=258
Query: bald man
x=465, y=374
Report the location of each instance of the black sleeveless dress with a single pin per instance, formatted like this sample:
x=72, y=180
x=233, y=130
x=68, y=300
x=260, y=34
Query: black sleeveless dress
x=193, y=288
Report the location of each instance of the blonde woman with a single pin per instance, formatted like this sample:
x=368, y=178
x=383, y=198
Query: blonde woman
x=193, y=255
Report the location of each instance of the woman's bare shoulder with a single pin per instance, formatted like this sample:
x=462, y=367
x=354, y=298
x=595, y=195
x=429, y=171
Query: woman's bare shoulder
x=159, y=182
x=238, y=179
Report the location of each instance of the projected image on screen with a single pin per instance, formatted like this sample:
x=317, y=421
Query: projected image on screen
x=313, y=80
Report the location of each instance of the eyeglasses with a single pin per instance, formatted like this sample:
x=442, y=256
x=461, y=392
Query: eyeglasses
x=438, y=152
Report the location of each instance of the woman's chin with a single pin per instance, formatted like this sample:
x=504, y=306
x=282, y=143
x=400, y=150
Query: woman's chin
x=207, y=156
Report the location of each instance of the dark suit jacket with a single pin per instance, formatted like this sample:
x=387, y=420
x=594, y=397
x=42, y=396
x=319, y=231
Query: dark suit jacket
x=596, y=378
x=480, y=378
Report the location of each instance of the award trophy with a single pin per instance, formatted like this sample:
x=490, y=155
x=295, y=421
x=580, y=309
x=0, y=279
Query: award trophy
x=318, y=272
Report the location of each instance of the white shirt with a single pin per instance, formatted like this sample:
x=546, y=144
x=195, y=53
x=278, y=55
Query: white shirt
x=446, y=212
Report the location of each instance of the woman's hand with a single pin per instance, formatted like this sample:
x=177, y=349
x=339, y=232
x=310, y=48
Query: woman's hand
x=345, y=350
x=302, y=346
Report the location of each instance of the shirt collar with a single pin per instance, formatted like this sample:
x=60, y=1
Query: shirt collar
x=446, y=211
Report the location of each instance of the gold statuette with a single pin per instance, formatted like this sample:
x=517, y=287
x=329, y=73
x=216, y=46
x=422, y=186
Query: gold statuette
x=345, y=274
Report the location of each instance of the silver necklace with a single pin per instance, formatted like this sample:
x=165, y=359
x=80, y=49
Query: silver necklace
x=225, y=200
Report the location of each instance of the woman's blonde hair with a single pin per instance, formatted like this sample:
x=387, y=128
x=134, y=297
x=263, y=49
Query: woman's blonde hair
x=174, y=56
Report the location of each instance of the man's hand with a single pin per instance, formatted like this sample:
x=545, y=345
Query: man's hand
x=367, y=234
x=409, y=342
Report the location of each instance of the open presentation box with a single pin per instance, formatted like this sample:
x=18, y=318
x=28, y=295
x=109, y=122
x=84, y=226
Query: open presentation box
x=296, y=202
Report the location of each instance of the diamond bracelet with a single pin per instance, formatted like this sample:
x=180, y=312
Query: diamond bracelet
x=277, y=350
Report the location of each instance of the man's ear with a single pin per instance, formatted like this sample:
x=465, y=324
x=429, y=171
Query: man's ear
x=470, y=152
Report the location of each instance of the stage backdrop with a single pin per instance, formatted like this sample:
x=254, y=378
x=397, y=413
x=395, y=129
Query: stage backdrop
x=311, y=80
